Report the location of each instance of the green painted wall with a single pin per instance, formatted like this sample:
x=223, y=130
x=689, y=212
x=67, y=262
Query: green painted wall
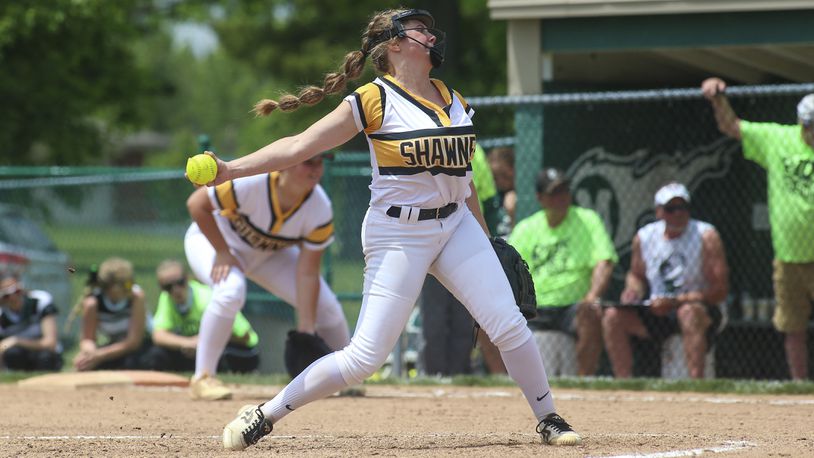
x=676, y=31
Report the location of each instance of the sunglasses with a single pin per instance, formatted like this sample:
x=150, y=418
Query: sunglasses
x=676, y=208
x=168, y=286
x=9, y=294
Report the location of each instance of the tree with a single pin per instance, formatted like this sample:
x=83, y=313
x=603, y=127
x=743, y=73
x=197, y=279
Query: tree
x=66, y=74
x=295, y=42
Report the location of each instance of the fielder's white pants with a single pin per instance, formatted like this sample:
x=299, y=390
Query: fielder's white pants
x=275, y=271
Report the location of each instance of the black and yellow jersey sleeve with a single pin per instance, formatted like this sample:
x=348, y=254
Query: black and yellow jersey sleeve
x=321, y=234
x=226, y=198
x=370, y=100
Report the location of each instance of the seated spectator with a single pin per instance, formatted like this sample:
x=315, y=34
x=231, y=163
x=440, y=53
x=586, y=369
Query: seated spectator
x=177, y=319
x=571, y=257
x=681, y=261
x=501, y=161
x=28, y=328
x=113, y=320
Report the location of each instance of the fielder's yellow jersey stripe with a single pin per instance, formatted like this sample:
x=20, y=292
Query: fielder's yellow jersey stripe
x=227, y=200
x=321, y=234
x=279, y=216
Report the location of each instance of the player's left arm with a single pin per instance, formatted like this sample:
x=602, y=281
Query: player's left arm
x=48, y=341
x=715, y=270
x=308, y=265
x=135, y=333
x=474, y=206
x=604, y=254
x=600, y=279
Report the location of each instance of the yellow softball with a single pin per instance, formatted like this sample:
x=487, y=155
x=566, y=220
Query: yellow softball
x=201, y=169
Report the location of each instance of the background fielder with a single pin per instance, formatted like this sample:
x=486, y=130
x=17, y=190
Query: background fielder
x=272, y=229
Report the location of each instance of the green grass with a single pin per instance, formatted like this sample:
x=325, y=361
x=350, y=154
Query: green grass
x=718, y=386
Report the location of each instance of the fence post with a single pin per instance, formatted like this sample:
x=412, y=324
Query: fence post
x=528, y=149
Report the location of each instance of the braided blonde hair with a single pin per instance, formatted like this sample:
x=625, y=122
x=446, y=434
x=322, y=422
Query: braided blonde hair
x=112, y=271
x=351, y=69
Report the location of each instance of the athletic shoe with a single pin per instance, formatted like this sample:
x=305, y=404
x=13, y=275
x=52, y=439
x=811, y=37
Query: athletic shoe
x=555, y=431
x=208, y=388
x=245, y=430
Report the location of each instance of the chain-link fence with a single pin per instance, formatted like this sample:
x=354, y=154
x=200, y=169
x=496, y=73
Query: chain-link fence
x=617, y=148
x=60, y=222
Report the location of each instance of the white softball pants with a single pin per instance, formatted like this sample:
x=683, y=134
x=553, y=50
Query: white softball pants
x=275, y=271
x=398, y=255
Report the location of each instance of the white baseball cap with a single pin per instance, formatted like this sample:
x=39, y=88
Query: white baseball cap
x=805, y=110
x=669, y=192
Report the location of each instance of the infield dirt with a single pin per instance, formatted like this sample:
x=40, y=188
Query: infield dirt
x=403, y=421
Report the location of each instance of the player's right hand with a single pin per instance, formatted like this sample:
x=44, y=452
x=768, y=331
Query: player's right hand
x=223, y=170
x=712, y=87
x=224, y=261
x=661, y=306
x=630, y=296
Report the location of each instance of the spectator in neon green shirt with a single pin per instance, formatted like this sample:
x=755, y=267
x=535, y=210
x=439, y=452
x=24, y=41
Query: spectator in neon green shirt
x=501, y=163
x=787, y=154
x=181, y=305
x=571, y=259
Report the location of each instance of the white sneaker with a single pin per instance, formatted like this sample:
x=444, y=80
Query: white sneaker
x=208, y=388
x=555, y=431
x=245, y=430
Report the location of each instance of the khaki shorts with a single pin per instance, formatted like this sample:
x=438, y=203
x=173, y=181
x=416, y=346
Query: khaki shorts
x=794, y=290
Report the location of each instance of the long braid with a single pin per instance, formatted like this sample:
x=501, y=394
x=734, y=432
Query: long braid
x=351, y=69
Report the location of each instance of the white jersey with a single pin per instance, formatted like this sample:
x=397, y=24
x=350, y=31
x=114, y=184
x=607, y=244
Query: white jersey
x=420, y=152
x=248, y=214
x=673, y=266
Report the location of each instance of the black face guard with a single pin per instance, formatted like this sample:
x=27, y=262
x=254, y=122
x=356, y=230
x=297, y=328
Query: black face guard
x=398, y=31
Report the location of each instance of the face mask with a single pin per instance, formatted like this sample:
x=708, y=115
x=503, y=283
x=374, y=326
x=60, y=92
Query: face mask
x=436, y=52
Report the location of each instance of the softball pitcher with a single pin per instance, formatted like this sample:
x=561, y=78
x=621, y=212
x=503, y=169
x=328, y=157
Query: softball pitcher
x=423, y=217
x=271, y=228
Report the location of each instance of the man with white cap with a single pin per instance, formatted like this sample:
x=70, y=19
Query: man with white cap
x=787, y=154
x=681, y=261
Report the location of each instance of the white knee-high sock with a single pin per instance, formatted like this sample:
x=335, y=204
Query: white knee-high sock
x=213, y=336
x=525, y=366
x=322, y=378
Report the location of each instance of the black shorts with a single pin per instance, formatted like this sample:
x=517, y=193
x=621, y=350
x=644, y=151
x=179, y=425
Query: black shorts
x=555, y=318
x=661, y=327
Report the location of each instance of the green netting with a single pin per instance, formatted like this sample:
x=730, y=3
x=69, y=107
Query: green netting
x=617, y=147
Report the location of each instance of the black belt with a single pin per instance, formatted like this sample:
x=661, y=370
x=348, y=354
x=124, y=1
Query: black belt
x=427, y=213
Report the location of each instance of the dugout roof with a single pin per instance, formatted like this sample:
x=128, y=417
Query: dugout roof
x=588, y=44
